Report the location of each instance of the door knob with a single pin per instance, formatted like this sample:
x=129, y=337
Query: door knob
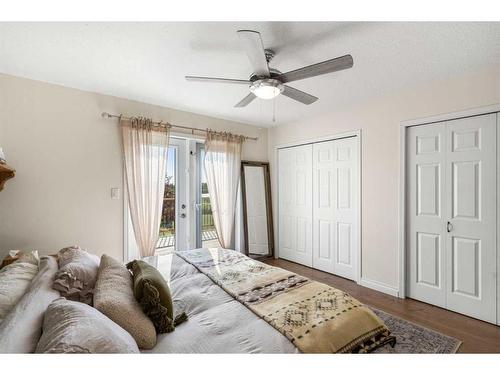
x=182, y=216
x=449, y=227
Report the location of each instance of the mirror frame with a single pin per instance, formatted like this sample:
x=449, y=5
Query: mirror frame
x=269, y=208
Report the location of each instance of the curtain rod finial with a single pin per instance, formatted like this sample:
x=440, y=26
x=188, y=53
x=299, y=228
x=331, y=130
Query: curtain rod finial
x=105, y=114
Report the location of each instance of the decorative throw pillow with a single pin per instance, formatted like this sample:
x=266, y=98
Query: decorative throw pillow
x=153, y=294
x=114, y=297
x=22, y=327
x=77, y=274
x=15, y=279
x=74, y=327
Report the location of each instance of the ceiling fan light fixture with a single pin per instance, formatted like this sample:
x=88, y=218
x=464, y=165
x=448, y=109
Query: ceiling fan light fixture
x=267, y=88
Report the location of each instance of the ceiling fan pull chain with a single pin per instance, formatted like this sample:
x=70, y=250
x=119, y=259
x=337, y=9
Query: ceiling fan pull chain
x=274, y=110
x=261, y=111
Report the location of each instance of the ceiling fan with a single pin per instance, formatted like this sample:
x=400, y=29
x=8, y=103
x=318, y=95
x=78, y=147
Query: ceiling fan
x=268, y=83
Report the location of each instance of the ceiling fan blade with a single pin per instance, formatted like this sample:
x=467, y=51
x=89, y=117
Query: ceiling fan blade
x=298, y=95
x=245, y=101
x=254, y=48
x=328, y=66
x=217, y=80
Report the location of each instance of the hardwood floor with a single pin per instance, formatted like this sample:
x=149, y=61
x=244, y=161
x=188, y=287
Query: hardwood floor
x=476, y=336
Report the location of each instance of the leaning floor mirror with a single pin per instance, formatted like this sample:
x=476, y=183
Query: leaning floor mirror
x=257, y=209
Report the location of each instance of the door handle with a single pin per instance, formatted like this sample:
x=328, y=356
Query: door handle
x=182, y=215
x=449, y=227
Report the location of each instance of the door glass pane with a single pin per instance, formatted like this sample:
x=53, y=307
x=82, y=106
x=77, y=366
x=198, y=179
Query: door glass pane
x=208, y=233
x=166, y=240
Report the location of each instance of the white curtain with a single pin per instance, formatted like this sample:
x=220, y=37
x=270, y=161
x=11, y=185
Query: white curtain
x=222, y=168
x=145, y=149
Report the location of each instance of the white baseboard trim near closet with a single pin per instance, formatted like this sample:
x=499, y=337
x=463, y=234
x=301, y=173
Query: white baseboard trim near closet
x=380, y=287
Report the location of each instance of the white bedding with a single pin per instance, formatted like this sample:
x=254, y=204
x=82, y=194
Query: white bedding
x=14, y=281
x=22, y=327
x=217, y=323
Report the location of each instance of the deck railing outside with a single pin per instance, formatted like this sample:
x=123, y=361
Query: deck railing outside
x=207, y=218
x=167, y=224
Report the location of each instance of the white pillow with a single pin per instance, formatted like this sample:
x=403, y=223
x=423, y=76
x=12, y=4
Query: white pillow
x=74, y=327
x=15, y=279
x=22, y=327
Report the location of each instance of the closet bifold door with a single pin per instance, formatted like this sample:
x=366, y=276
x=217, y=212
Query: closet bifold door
x=295, y=204
x=471, y=216
x=335, y=200
x=426, y=229
x=324, y=206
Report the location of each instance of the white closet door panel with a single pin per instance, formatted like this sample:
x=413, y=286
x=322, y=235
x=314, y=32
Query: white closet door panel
x=286, y=218
x=426, y=196
x=345, y=204
x=323, y=206
x=471, y=212
x=335, y=220
x=295, y=204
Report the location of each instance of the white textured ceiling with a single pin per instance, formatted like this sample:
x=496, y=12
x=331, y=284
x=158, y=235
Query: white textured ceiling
x=148, y=61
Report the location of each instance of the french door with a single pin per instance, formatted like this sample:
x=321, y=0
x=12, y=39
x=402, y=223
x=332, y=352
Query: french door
x=173, y=225
x=206, y=235
x=452, y=215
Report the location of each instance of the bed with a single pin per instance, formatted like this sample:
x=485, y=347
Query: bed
x=239, y=305
x=234, y=304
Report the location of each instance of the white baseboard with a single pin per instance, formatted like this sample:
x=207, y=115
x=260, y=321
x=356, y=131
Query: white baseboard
x=380, y=287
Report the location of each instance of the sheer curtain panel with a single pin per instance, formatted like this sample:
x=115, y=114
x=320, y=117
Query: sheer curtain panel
x=145, y=149
x=222, y=168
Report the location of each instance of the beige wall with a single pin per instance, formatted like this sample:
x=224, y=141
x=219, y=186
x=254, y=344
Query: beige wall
x=380, y=120
x=68, y=158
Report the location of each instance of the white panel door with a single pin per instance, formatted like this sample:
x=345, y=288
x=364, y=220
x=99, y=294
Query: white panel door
x=471, y=216
x=295, y=204
x=335, y=207
x=452, y=208
x=324, y=226
x=426, y=223
x=346, y=205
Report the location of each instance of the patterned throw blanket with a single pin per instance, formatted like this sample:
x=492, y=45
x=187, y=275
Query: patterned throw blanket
x=315, y=317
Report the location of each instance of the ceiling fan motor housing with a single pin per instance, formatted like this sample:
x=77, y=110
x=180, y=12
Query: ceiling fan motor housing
x=273, y=73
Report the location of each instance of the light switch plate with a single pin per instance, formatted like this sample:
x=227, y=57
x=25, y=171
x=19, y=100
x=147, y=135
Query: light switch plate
x=115, y=193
